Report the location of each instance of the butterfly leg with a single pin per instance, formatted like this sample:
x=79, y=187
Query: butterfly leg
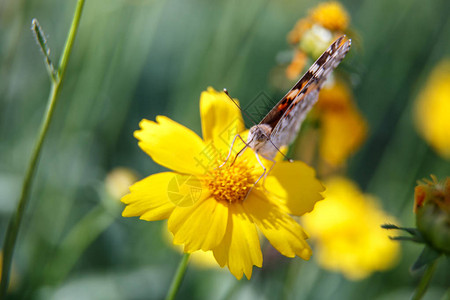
x=270, y=169
x=262, y=175
x=231, y=150
x=265, y=173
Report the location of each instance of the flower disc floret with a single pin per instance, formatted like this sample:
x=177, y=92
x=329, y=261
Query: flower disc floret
x=231, y=183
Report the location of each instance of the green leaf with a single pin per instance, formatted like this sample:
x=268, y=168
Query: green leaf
x=416, y=236
x=427, y=256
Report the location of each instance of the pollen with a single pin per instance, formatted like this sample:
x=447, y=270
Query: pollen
x=231, y=183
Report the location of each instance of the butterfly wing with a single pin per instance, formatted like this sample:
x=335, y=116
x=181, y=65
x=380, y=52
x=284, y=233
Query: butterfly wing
x=287, y=116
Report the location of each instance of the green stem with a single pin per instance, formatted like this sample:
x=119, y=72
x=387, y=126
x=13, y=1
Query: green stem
x=176, y=282
x=16, y=220
x=424, y=282
x=289, y=280
x=70, y=39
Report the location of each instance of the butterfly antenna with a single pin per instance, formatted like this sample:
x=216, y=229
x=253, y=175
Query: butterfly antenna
x=243, y=111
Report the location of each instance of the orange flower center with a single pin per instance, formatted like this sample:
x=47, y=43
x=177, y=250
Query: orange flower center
x=231, y=183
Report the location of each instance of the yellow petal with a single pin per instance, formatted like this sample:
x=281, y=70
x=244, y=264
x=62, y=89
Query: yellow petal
x=295, y=186
x=240, y=248
x=221, y=119
x=283, y=232
x=185, y=189
x=201, y=226
x=148, y=198
x=171, y=145
x=199, y=259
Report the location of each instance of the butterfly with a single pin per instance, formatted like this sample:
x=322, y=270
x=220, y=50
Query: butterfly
x=281, y=125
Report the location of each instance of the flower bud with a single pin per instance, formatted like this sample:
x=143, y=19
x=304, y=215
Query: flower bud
x=432, y=209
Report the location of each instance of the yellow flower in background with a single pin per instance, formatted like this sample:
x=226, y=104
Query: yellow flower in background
x=346, y=228
x=432, y=110
x=343, y=128
x=313, y=34
x=219, y=209
x=118, y=181
x=331, y=15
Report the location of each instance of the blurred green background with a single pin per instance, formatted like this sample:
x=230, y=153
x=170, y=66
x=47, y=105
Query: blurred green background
x=136, y=59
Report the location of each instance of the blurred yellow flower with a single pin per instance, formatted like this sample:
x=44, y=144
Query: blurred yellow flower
x=219, y=209
x=343, y=128
x=118, y=181
x=346, y=228
x=313, y=34
x=331, y=15
x=432, y=109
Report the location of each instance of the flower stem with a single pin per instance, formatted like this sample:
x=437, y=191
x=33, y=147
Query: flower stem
x=16, y=219
x=423, y=285
x=176, y=282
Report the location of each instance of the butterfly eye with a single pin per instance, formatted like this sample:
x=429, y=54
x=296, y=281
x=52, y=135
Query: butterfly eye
x=260, y=137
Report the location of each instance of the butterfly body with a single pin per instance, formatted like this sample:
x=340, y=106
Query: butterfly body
x=281, y=125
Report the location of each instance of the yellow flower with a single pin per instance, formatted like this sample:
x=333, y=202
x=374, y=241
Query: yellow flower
x=343, y=128
x=346, y=227
x=312, y=35
x=330, y=15
x=432, y=110
x=118, y=180
x=219, y=209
